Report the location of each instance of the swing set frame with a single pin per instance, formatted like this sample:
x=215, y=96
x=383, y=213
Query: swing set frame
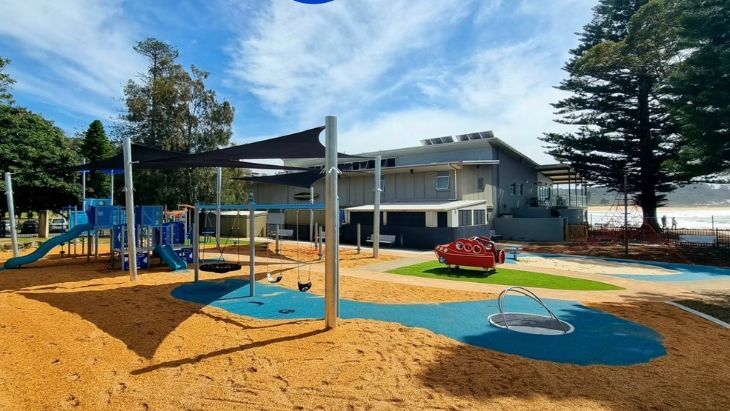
x=252, y=207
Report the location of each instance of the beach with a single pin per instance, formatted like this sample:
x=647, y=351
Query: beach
x=705, y=217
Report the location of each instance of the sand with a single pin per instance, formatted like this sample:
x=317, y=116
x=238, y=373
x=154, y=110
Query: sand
x=593, y=266
x=78, y=336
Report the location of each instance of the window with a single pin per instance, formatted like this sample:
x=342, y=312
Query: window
x=442, y=181
x=480, y=184
x=382, y=183
x=480, y=217
x=464, y=218
x=521, y=192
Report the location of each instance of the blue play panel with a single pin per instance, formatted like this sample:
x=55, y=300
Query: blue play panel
x=599, y=337
x=685, y=272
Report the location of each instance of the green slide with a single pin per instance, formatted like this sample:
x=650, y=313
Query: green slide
x=43, y=249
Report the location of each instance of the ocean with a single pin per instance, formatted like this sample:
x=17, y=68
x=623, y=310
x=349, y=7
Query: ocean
x=687, y=217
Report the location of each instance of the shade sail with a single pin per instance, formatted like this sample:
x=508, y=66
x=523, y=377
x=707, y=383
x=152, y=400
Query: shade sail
x=304, y=144
x=304, y=179
x=153, y=158
x=116, y=163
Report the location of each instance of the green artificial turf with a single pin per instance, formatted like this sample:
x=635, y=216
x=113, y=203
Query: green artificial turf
x=503, y=276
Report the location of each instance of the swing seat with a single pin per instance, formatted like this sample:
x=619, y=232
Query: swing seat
x=220, y=268
x=273, y=279
x=304, y=287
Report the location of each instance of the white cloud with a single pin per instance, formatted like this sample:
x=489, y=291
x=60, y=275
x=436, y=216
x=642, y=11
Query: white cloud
x=382, y=67
x=84, y=47
x=307, y=60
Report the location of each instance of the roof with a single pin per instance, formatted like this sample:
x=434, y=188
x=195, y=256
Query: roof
x=456, y=144
x=560, y=173
x=420, y=206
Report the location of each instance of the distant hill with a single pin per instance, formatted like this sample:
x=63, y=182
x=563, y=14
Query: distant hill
x=691, y=195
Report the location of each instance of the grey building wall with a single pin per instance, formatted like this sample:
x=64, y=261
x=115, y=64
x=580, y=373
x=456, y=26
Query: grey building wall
x=531, y=229
x=413, y=237
x=515, y=182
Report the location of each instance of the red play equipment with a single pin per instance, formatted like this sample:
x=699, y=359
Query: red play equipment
x=478, y=251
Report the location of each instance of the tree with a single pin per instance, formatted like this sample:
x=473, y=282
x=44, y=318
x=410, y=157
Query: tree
x=96, y=146
x=5, y=83
x=702, y=87
x=33, y=149
x=617, y=77
x=171, y=108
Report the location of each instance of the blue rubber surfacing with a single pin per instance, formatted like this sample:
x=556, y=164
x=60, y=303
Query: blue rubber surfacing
x=599, y=337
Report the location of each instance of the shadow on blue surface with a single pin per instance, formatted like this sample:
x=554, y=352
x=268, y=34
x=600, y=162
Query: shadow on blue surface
x=599, y=338
x=686, y=272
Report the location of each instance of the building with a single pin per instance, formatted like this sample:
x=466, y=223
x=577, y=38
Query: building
x=447, y=188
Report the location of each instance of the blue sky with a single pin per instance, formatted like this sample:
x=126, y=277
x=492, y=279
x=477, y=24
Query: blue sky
x=393, y=71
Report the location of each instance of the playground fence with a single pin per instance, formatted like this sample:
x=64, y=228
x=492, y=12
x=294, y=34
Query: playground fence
x=680, y=237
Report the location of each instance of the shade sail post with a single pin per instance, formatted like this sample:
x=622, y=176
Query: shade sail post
x=252, y=244
x=311, y=214
x=83, y=182
x=129, y=195
x=376, y=206
x=218, y=191
x=331, y=225
x=11, y=211
x=196, y=242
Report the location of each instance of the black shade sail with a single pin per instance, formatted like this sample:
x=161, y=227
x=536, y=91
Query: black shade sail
x=152, y=158
x=304, y=144
x=304, y=179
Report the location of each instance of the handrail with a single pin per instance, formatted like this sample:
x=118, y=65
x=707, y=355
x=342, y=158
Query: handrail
x=526, y=293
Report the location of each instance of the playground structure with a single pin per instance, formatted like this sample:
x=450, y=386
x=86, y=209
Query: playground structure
x=97, y=219
x=303, y=144
x=221, y=266
x=477, y=251
x=528, y=323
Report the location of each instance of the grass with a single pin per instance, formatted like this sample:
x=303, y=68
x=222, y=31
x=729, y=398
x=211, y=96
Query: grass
x=503, y=276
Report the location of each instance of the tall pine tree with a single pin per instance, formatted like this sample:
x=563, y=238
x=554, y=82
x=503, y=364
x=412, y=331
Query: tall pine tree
x=618, y=87
x=96, y=146
x=172, y=109
x=702, y=87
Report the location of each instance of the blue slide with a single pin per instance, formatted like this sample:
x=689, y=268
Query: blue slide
x=47, y=246
x=168, y=255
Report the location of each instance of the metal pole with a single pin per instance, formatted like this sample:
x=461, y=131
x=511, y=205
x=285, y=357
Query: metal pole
x=332, y=254
x=276, y=239
x=252, y=244
x=319, y=242
x=218, y=189
x=358, y=238
x=11, y=211
x=129, y=195
x=311, y=214
x=626, y=216
x=196, y=242
x=111, y=186
x=83, y=185
x=376, y=207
